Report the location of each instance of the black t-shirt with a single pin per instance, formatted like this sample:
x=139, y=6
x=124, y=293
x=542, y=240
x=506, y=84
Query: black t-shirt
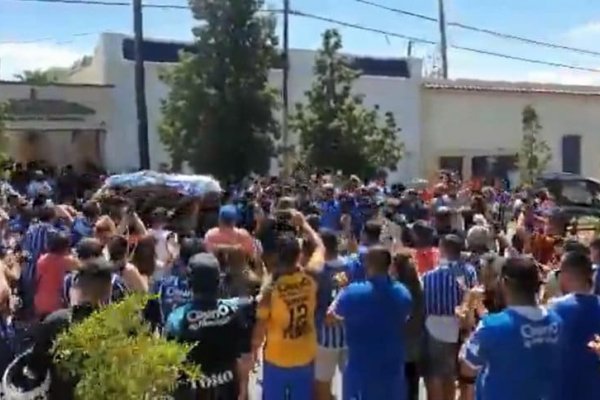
x=41, y=358
x=219, y=331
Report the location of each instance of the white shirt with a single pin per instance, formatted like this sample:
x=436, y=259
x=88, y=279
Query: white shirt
x=161, y=248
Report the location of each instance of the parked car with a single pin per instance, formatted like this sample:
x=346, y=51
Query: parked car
x=574, y=194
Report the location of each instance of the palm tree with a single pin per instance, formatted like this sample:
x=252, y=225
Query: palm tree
x=36, y=77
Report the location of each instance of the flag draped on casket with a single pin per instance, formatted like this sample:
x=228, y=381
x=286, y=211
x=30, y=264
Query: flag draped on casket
x=187, y=185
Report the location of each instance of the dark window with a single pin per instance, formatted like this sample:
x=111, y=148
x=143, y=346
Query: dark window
x=454, y=164
x=382, y=67
x=493, y=166
x=155, y=51
x=168, y=52
x=571, y=154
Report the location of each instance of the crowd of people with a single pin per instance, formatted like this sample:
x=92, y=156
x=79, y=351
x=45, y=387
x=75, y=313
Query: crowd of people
x=481, y=292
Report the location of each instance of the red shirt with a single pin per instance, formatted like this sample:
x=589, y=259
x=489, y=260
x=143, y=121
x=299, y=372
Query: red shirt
x=51, y=270
x=426, y=259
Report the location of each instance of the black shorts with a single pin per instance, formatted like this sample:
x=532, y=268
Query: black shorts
x=439, y=359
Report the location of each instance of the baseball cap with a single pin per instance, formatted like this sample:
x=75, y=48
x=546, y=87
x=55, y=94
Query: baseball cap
x=204, y=272
x=228, y=214
x=443, y=211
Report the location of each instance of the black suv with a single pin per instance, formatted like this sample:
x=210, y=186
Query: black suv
x=575, y=194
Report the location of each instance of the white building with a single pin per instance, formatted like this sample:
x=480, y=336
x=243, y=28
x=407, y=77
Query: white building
x=467, y=125
x=473, y=126
x=393, y=84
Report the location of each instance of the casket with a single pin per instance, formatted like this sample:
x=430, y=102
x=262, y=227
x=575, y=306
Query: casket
x=147, y=190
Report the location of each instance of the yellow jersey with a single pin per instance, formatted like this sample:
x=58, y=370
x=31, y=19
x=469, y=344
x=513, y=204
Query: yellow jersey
x=290, y=320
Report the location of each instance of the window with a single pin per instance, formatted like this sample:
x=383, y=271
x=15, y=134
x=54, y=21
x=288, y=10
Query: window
x=454, y=164
x=577, y=192
x=571, y=154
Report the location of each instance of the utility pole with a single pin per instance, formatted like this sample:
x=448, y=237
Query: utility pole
x=140, y=86
x=443, y=40
x=409, y=48
x=285, y=88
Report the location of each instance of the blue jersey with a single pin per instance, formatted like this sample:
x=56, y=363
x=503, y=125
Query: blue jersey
x=329, y=335
x=173, y=291
x=81, y=229
x=356, y=265
x=445, y=286
x=331, y=215
x=374, y=313
x=580, y=367
x=518, y=356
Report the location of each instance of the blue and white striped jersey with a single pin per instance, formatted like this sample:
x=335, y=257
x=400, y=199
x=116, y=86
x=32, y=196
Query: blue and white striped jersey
x=329, y=335
x=445, y=286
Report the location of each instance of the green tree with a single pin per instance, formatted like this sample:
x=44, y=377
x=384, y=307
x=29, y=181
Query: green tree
x=219, y=114
x=535, y=154
x=36, y=77
x=336, y=129
x=114, y=354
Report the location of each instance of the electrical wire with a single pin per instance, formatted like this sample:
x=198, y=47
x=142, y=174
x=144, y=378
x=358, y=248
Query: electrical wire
x=109, y=3
x=49, y=39
x=345, y=24
x=420, y=40
x=481, y=30
x=367, y=2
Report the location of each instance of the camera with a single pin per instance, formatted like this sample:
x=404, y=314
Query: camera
x=284, y=221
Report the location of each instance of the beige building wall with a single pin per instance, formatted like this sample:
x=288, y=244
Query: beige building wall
x=474, y=118
x=54, y=134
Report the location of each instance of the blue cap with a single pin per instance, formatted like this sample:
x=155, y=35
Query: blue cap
x=228, y=214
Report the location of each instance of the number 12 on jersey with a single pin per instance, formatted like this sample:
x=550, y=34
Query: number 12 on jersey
x=298, y=321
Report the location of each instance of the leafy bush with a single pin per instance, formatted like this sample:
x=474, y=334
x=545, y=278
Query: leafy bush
x=114, y=354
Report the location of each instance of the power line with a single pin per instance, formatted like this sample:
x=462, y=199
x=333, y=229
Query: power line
x=481, y=30
x=367, y=2
x=420, y=40
x=109, y=3
x=48, y=39
x=399, y=11
x=340, y=23
x=101, y=3
x=360, y=27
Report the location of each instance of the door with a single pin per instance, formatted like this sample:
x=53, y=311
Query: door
x=571, y=154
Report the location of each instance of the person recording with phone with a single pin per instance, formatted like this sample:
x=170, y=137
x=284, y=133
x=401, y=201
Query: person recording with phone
x=286, y=312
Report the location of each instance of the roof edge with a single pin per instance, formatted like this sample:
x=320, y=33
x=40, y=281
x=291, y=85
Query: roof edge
x=60, y=84
x=471, y=85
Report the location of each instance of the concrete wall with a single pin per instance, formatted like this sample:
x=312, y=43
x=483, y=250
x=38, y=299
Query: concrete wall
x=488, y=122
x=50, y=137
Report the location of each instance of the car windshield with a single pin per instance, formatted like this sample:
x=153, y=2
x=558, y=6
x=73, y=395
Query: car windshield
x=579, y=192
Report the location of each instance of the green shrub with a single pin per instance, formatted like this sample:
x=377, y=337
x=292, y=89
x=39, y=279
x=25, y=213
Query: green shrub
x=115, y=355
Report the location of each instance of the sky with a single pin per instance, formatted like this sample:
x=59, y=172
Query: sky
x=36, y=35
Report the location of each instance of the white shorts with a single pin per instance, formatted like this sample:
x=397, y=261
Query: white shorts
x=327, y=361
